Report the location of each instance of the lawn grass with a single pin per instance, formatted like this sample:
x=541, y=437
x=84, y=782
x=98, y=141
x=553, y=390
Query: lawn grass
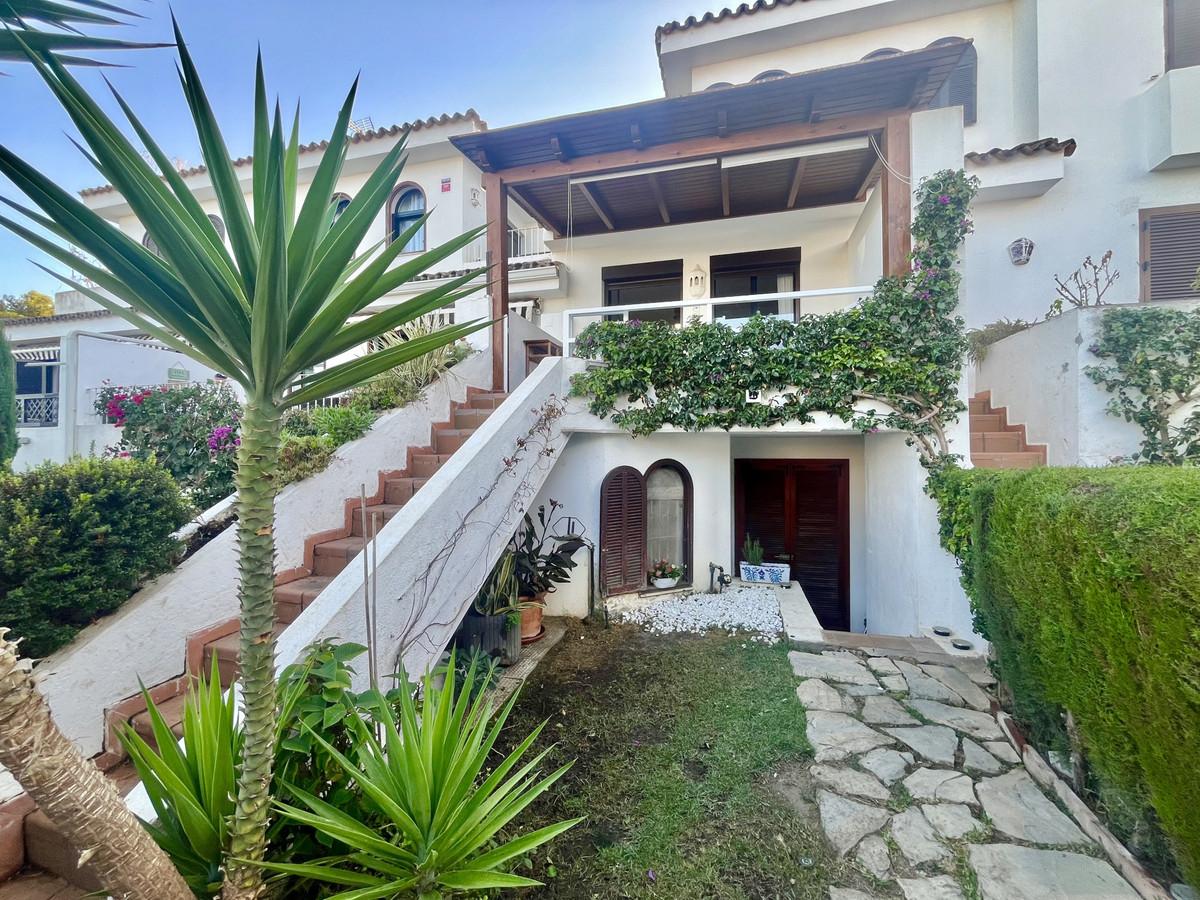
x=677, y=741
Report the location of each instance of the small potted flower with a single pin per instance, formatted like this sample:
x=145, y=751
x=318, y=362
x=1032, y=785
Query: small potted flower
x=542, y=562
x=665, y=574
x=754, y=570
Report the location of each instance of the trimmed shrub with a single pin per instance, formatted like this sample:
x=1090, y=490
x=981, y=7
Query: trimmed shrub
x=8, y=403
x=1087, y=582
x=76, y=539
x=301, y=456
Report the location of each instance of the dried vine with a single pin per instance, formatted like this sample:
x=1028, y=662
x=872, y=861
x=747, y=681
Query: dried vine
x=900, y=349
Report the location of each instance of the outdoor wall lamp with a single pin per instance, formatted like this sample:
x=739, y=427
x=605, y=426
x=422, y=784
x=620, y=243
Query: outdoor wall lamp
x=1020, y=250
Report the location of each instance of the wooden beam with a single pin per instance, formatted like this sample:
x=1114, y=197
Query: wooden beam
x=497, y=258
x=872, y=173
x=698, y=148
x=797, y=177
x=535, y=210
x=724, y=192
x=897, y=196
x=657, y=191
x=597, y=205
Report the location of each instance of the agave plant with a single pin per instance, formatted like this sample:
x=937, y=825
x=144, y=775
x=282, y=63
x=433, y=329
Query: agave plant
x=278, y=302
x=422, y=768
x=17, y=18
x=191, y=786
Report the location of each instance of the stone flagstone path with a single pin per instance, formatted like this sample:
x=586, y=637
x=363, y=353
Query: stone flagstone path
x=917, y=784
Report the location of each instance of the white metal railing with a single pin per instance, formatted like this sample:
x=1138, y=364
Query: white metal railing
x=37, y=410
x=525, y=243
x=788, y=304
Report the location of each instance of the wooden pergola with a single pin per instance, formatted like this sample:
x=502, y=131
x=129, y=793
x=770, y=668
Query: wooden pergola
x=794, y=142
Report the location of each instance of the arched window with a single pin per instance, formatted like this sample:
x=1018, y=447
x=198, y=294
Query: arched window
x=339, y=202
x=882, y=52
x=718, y=84
x=408, y=205
x=669, y=515
x=770, y=75
x=150, y=244
x=218, y=225
x=960, y=88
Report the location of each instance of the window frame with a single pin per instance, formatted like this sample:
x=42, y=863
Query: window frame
x=393, y=215
x=689, y=515
x=1145, y=263
x=337, y=200
x=1170, y=62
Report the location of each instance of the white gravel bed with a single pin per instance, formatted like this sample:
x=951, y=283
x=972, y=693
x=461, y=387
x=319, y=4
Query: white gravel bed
x=742, y=609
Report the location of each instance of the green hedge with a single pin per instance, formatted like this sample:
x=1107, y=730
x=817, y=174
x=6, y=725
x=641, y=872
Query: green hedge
x=75, y=540
x=1087, y=582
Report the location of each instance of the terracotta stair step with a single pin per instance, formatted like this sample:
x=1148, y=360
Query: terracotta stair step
x=292, y=598
x=425, y=464
x=997, y=442
x=399, y=491
x=226, y=650
x=988, y=422
x=172, y=711
x=385, y=511
x=470, y=417
x=331, y=557
x=447, y=440
x=1028, y=459
x=488, y=400
x=978, y=406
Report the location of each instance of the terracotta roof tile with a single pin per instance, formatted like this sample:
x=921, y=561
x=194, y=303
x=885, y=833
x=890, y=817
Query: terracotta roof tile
x=1029, y=148
x=743, y=9
x=60, y=317
x=359, y=138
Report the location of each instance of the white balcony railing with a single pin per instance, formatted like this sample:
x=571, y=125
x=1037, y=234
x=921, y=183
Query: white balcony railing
x=785, y=305
x=37, y=410
x=526, y=243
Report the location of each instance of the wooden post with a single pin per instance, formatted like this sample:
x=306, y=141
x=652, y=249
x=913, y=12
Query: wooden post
x=897, y=196
x=497, y=257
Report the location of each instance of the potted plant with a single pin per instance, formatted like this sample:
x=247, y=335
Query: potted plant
x=665, y=574
x=493, y=621
x=754, y=570
x=543, y=561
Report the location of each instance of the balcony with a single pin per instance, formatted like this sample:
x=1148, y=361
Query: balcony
x=787, y=305
x=524, y=244
x=37, y=410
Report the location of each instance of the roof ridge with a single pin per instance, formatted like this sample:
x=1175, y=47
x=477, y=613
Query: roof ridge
x=470, y=115
x=709, y=18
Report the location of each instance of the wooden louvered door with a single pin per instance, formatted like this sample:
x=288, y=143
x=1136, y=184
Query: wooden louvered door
x=622, y=531
x=1183, y=33
x=799, y=510
x=1170, y=250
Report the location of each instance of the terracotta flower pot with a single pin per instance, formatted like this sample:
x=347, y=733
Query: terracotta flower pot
x=531, y=619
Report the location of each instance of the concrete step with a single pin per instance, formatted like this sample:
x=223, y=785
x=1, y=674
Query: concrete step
x=1028, y=459
x=988, y=422
x=384, y=511
x=470, y=417
x=997, y=442
x=331, y=557
x=226, y=650
x=425, y=464
x=447, y=440
x=486, y=401
x=292, y=598
x=399, y=491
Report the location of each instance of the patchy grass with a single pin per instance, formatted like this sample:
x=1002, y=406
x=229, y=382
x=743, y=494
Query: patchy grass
x=684, y=746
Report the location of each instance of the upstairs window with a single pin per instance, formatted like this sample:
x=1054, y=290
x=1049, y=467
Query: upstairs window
x=339, y=202
x=218, y=225
x=1170, y=251
x=960, y=88
x=150, y=244
x=407, y=206
x=770, y=75
x=1183, y=33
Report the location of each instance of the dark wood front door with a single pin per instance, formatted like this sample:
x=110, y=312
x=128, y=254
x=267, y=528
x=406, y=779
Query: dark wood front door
x=799, y=510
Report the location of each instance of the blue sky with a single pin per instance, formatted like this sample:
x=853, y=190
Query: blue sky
x=512, y=61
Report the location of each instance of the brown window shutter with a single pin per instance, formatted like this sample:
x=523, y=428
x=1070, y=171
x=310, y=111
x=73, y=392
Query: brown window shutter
x=622, y=531
x=1183, y=33
x=961, y=88
x=1170, y=252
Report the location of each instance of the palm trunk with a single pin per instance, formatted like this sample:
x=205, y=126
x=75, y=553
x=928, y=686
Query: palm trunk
x=81, y=802
x=257, y=459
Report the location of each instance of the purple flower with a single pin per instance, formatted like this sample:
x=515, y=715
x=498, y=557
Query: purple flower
x=944, y=199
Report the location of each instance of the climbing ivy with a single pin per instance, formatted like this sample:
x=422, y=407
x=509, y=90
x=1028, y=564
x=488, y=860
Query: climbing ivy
x=892, y=361
x=1154, y=376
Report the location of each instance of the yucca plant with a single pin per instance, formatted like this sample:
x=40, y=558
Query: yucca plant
x=422, y=769
x=277, y=303
x=18, y=18
x=192, y=786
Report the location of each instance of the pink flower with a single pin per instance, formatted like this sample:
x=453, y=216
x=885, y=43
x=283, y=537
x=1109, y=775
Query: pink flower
x=944, y=199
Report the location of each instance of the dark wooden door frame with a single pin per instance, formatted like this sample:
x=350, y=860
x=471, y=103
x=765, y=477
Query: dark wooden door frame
x=842, y=469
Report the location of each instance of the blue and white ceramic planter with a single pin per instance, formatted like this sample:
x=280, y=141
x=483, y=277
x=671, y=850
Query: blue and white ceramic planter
x=766, y=573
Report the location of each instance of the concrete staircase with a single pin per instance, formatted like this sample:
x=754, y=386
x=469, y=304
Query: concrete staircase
x=997, y=444
x=325, y=555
